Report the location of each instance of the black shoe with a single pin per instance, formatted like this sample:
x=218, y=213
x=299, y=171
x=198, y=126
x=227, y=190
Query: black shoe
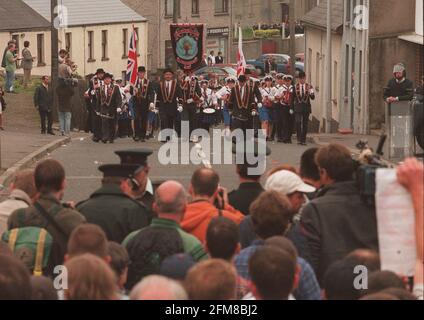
x=300, y=143
x=95, y=140
x=111, y=141
x=142, y=140
x=104, y=141
x=281, y=141
x=51, y=133
x=136, y=139
x=304, y=144
x=43, y=132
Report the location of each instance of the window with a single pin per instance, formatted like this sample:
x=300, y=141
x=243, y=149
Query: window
x=124, y=43
x=104, y=45
x=16, y=38
x=360, y=79
x=348, y=10
x=221, y=6
x=40, y=49
x=195, y=7
x=169, y=8
x=68, y=43
x=91, y=46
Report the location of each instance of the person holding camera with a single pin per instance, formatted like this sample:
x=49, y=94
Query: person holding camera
x=337, y=221
x=209, y=200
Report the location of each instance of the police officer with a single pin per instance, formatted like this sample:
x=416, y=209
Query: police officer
x=141, y=185
x=111, y=207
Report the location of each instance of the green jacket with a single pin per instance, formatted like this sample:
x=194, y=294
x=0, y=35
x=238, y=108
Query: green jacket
x=115, y=212
x=10, y=62
x=191, y=244
x=67, y=219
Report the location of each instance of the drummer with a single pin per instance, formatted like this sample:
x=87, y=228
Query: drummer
x=266, y=112
x=209, y=104
x=223, y=95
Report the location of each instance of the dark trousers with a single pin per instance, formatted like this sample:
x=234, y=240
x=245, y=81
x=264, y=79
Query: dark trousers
x=124, y=128
x=108, y=129
x=96, y=125
x=46, y=118
x=279, y=121
x=167, y=120
x=140, y=121
x=287, y=124
x=243, y=125
x=302, y=121
x=189, y=114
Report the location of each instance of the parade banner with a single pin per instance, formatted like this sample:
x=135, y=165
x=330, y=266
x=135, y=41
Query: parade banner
x=187, y=43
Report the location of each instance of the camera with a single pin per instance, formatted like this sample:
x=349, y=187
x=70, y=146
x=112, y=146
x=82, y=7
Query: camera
x=366, y=168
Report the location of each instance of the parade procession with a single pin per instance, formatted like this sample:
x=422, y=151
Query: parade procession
x=211, y=159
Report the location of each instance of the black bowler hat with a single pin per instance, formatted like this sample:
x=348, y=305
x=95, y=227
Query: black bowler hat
x=141, y=69
x=134, y=156
x=118, y=170
x=108, y=75
x=100, y=70
x=247, y=71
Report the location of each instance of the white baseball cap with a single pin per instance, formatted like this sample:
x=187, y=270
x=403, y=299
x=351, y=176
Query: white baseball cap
x=287, y=182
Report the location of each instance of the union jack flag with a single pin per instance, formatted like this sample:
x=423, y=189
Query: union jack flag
x=132, y=65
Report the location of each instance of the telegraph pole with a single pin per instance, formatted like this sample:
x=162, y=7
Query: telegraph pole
x=328, y=101
x=292, y=21
x=54, y=52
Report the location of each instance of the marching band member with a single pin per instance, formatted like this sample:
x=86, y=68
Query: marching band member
x=304, y=93
x=143, y=101
x=224, y=95
x=209, y=104
x=123, y=125
x=191, y=97
x=266, y=112
x=284, y=108
x=242, y=104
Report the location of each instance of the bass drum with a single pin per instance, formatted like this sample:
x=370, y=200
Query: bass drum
x=419, y=121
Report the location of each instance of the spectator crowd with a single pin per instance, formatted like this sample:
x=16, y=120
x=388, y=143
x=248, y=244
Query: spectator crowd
x=299, y=235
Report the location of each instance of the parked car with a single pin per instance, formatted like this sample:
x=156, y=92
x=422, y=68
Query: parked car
x=282, y=61
x=250, y=67
x=221, y=72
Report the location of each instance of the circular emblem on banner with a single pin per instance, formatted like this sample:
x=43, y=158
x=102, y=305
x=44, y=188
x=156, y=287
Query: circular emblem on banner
x=187, y=48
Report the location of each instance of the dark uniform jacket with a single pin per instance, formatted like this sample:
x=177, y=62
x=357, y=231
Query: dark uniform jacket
x=109, y=102
x=143, y=93
x=66, y=218
x=302, y=98
x=242, y=106
x=336, y=223
x=43, y=98
x=168, y=101
x=242, y=197
x=115, y=212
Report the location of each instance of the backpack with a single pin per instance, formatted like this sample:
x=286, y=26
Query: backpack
x=31, y=245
